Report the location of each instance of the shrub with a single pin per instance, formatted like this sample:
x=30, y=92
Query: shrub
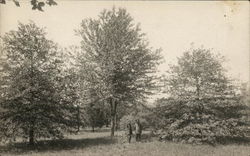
x=125, y=120
x=216, y=119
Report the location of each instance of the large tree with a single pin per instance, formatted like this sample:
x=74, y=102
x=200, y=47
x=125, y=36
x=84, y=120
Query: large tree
x=121, y=65
x=34, y=89
x=198, y=74
x=202, y=104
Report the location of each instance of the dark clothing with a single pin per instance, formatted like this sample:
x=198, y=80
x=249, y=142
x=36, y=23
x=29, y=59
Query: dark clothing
x=129, y=138
x=138, y=131
x=138, y=137
x=129, y=132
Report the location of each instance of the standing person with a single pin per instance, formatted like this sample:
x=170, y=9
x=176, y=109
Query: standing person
x=129, y=132
x=138, y=130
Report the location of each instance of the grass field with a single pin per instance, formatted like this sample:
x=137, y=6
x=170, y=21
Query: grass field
x=99, y=144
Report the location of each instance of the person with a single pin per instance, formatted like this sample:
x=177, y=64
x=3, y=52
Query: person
x=129, y=132
x=138, y=130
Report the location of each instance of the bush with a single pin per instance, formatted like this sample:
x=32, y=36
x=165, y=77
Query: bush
x=193, y=122
x=131, y=119
x=125, y=120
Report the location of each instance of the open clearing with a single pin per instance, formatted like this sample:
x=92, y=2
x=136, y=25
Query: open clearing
x=99, y=144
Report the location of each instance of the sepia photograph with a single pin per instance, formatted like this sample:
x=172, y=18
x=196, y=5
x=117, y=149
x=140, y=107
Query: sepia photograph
x=124, y=78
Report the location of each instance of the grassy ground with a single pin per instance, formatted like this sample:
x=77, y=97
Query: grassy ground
x=99, y=144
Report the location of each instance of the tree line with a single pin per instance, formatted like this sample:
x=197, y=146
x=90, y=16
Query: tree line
x=47, y=91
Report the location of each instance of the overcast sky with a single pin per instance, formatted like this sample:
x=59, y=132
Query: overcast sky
x=172, y=26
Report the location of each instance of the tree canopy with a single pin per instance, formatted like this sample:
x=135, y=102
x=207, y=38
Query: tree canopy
x=198, y=74
x=203, y=105
x=33, y=90
x=117, y=60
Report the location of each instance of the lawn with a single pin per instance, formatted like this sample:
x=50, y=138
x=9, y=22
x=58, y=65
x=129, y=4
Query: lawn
x=99, y=144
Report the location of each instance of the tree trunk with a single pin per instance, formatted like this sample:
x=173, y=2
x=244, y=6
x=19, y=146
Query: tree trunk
x=113, y=106
x=198, y=96
x=78, y=119
x=31, y=130
x=112, y=126
x=116, y=123
x=31, y=136
x=78, y=128
x=93, y=128
x=107, y=122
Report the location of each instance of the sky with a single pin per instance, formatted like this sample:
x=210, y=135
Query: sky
x=172, y=26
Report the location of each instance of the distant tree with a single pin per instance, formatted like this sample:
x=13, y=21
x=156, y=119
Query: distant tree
x=36, y=4
x=34, y=89
x=203, y=104
x=71, y=93
x=2, y=61
x=121, y=64
x=199, y=74
x=245, y=96
x=94, y=116
x=142, y=112
x=125, y=120
x=245, y=93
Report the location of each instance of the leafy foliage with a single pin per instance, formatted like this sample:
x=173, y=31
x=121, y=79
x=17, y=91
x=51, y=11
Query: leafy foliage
x=203, y=105
x=125, y=120
x=199, y=74
x=220, y=118
x=144, y=114
x=36, y=4
x=34, y=91
x=116, y=59
x=94, y=115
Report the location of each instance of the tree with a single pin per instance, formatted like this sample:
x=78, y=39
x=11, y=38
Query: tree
x=121, y=65
x=36, y=4
x=145, y=115
x=245, y=95
x=2, y=61
x=33, y=91
x=199, y=74
x=94, y=115
x=71, y=93
x=202, y=105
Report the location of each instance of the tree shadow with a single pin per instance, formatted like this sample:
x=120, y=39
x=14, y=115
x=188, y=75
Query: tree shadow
x=245, y=141
x=148, y=137
x=234, y=140
x=56, y=145
x=97, y=130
